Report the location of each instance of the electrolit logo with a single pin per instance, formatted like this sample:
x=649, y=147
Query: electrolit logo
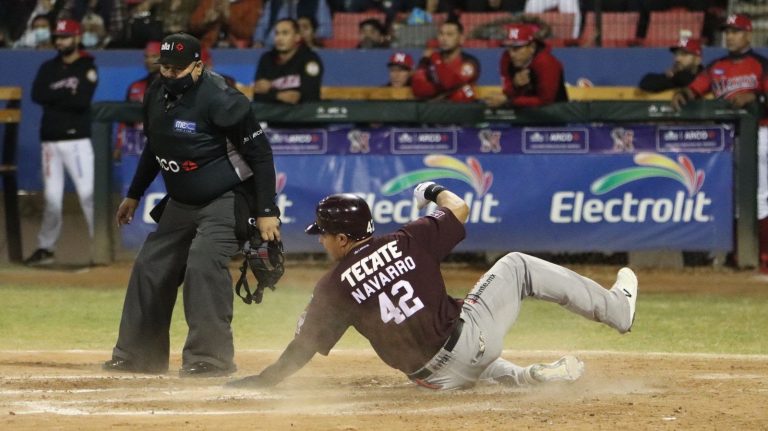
x=691, y=205
x=439, y=166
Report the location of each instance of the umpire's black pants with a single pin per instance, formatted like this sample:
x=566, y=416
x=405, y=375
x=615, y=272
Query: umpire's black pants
x=193, y=245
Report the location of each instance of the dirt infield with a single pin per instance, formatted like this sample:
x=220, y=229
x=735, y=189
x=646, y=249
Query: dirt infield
x=352, y=390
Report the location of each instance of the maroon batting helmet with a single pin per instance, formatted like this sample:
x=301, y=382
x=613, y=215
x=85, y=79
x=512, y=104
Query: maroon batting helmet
x=343, y=213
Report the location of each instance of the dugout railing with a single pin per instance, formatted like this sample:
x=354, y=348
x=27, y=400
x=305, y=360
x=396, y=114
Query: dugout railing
x=326, y=112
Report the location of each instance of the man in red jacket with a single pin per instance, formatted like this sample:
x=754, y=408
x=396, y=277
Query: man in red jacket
x=530, y=75
x=447, y=74
x=741, y=78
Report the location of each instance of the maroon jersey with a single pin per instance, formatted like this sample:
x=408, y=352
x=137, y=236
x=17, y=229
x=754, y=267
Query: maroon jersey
x=390, y=289
x=733, y=74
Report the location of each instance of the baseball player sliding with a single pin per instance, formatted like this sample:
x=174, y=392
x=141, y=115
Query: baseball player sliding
x=390, y=289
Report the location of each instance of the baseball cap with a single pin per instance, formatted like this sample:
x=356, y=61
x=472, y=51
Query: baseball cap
x=692, y=46
x=737, y=21
x=179, y=49
x=519, y=34
x=152, y=48
x=401, y=59
x=67, y=27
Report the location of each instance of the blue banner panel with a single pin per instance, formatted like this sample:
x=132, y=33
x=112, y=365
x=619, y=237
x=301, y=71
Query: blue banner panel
x=533, y=202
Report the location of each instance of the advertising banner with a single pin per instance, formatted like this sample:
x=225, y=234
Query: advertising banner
x=572, y=189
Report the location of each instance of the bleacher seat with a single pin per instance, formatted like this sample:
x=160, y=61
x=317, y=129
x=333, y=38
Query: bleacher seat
x=472, y=20
x=345, y=33
x=667, y=27
x=560, y=23
x=619, y=29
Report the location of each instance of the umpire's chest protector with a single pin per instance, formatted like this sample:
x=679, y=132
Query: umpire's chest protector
x=189, y=145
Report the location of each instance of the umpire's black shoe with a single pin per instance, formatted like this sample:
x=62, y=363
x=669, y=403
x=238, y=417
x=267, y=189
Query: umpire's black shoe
x=204, y=369
x=126, y=366
x=40, y=257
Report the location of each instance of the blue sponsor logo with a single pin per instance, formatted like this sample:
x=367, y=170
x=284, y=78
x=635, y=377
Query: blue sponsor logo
x=185, y=126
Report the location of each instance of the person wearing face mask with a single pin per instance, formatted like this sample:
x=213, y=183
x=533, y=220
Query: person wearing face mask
x=203, y=137
x=38, y=35
x=64, y=87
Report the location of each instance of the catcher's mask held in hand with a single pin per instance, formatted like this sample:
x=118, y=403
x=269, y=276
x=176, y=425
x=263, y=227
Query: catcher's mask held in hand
x=266, y=262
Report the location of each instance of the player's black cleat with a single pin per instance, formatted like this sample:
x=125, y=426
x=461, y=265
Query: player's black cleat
x=204, y=369
x=40, y=257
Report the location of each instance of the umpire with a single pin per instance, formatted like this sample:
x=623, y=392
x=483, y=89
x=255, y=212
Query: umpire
x=203, y=138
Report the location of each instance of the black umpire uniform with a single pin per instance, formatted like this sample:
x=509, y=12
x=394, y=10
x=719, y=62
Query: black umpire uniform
x=204, y=139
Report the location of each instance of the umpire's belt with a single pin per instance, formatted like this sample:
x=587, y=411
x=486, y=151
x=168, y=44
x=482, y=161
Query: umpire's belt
x=442, y=357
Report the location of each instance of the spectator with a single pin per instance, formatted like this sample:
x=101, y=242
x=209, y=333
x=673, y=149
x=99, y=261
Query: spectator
x=686, y=66
x=130, y=137
x=38, y=35
x=530, y=74
x=134, y=23
x=449, y=73
x=741, y=78
x=613, y=5
x=307, y=30
x=275, y=10
x=372, y=34
x=64, y=87
x=290, y=72
x=225, y=23
x=95, y=36
x=175, y=15
x=563, y=6
x=400, y=68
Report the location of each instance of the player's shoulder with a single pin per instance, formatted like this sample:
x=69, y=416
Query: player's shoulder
x=467, y=57
x=759, y=58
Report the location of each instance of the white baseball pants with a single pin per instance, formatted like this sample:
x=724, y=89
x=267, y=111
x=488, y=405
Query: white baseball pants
x=76, y=157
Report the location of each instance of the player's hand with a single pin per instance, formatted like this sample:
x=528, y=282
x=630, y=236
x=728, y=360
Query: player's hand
x=125, y=211
x=289, y=96
x=262, y=86
x=680, y=99
x=495, y=100
x=522, y=78
x=269, y=227
x=251, y=382
x=740, y=100
x=418, y=194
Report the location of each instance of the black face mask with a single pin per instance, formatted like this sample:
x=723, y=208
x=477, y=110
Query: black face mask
x=178, y=86
x=67, y=51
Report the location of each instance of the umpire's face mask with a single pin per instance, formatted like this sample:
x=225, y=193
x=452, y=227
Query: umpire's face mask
x=179, y=86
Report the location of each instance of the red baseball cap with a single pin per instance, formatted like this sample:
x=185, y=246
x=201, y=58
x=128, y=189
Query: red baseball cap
x=519, y=34
x=692, y=46
x=67, y=27
x=738, y=21
x=401, y=59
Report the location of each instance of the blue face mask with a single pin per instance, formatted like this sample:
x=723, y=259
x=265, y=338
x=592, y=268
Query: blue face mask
x=90, y=39
x=42, y=35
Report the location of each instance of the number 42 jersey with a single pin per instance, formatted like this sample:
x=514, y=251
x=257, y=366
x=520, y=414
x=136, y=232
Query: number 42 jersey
x=391, y=290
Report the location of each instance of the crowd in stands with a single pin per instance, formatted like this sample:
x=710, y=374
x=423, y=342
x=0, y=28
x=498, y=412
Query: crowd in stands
x=27, y=24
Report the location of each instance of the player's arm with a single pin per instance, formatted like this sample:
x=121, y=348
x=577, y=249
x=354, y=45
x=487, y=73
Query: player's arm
x=547, y=85
x=699, y=87
x=311, y=80
x=432, y=192
x=294, y=357
x=656, y=82
x=422, y=85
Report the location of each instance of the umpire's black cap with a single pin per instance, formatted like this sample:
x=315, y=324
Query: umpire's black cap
x=179, y=49
x=343, y=213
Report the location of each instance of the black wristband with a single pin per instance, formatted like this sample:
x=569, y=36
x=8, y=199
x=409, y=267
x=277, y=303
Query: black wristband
x=431, y=192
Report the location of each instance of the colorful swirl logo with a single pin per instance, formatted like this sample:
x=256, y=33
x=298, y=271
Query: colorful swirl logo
x=442, y=166
x=653, y=165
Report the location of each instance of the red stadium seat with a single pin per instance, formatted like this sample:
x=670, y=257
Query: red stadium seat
x=619, y=29
x=666, y=28
x=560, y=23
x=472, y=20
